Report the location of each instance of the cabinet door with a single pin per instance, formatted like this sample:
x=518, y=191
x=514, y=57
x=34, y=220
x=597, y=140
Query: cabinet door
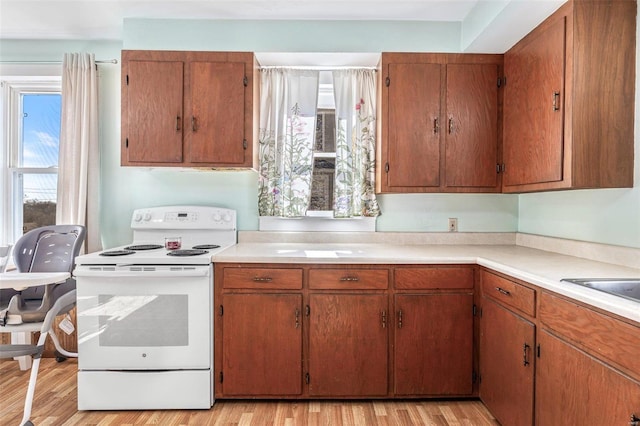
x=262, y=344
x=506, y=365
x=471, y=133
x=434, y=344
x=348, y=344
x=574, y=388
x=152, y=119
x=216, y=122
x=414, y=125
x=534, y=108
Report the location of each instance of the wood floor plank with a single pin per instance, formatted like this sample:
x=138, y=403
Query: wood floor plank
x=55, y=404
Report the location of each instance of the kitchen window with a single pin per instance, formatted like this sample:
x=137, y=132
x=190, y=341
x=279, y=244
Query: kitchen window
x=31, y=110
x=316, y=153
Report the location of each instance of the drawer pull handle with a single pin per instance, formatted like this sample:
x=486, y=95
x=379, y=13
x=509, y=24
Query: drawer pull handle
x=503, y=291
x=525, y=354
x=262, y=279
x=349, y=279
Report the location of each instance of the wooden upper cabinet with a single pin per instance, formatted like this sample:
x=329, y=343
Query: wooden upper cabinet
x=569, y=100
x=471, y=132
x=188, y=109
x=439, y=123
x=153, y=118
x=414, y=121
x=217, y=108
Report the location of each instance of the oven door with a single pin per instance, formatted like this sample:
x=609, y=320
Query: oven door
x=150, y=317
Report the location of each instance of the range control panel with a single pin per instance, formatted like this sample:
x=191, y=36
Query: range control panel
x=184, y=217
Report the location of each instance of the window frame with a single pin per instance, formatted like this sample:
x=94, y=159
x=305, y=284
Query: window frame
x=13, y=88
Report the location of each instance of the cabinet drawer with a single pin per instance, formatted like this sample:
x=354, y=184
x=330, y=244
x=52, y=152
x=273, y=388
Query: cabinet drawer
x=603, y=336
x=433, y=278
x=267, y=278
x=337, y=279
x=509, y=292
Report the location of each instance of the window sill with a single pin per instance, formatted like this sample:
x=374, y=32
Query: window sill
x=317, y=224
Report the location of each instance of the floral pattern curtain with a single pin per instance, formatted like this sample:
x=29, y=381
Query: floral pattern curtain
x=288, y=104
x=354, y=188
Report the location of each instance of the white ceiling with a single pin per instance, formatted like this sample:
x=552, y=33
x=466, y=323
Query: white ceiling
x=103, y=19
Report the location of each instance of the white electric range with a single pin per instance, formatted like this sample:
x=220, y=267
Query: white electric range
x=145, y=319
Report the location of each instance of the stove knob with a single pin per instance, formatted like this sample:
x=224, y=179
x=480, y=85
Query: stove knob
x=226, y=218
x=137, y=217
x=147, y=217
x=216, y=217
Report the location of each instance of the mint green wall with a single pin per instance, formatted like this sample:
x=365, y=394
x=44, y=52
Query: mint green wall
x=606, y=216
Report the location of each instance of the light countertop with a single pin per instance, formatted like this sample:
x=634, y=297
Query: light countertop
x=542, y=268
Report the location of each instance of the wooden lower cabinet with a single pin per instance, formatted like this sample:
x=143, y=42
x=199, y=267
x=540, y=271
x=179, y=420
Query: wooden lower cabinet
x=348, y=345
x=262, y=344
x=573, y=387
x=433, y=344
x=507, y=343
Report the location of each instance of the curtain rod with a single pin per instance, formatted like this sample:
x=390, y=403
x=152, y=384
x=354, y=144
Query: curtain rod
x=316, y=68
x=110, y=61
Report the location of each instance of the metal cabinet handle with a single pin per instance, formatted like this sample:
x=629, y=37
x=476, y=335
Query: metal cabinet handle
x=383, y=314
x=556, y=101
x=194, y=123
x=178, y=123
x=450, y=125
x=525, y=354
x=503, y=291
x=297, y=315
x=400, y=318
x=349, y=279
x=436, y=127
x=263, y=279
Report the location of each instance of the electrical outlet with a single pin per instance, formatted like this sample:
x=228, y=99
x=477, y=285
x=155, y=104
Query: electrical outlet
x=453, y=224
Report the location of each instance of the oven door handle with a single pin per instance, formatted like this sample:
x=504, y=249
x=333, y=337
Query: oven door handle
x=203, y=272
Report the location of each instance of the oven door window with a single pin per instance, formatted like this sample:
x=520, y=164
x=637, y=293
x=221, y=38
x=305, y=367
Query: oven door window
x=126, y=321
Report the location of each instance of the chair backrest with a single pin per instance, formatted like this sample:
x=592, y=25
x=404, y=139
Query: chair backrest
x=49, y=249
x=4, y=256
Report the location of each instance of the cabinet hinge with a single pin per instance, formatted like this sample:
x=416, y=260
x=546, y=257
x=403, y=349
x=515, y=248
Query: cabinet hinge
x=386, y=167
x=474, y=377
x=221, y=377
x=244, y=143
x=307, y=378
x=220, y=310
x=245, y=81
x=126, y=143
x=538, y=351
x=127, y=79
x=387, y=82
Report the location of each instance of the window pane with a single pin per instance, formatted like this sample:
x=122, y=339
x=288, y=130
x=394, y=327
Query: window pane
x=39, y=200
x=322, y=184
x=325, y=131
x=40, y=130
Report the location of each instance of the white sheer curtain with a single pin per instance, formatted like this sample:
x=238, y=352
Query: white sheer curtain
x=79, y=161
x=288, y=104
x=354, y=189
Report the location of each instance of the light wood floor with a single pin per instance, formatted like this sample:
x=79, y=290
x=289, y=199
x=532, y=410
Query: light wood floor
x=55, y=404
